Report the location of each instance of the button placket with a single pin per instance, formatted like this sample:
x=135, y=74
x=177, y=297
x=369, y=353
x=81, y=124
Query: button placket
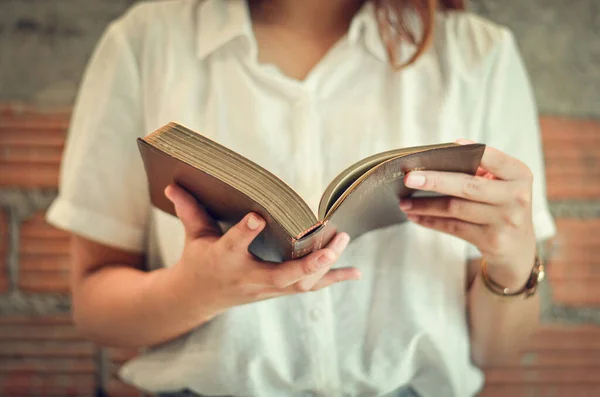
x=315, y=314
x=321, y=343
x=329, y=365
x=308, y=162
x=307, y=149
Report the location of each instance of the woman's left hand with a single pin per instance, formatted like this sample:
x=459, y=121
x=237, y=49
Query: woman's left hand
x=491, y=210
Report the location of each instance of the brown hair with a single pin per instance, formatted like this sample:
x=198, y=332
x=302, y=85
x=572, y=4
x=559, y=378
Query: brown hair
x=391, y=17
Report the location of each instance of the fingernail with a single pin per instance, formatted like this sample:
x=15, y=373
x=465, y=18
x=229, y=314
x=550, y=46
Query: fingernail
x=341, y=243
x=415, y=179
x=405, y=204
x=325, y=259
x=463, y=141
x=168, y=191
x=357, y=275
x=413, y=218
x=253, y=222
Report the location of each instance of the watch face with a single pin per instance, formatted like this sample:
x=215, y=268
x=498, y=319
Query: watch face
x=530, y=288
x=537, y=275
x=541, y=273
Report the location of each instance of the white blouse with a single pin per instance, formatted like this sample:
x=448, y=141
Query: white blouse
x=195, y=62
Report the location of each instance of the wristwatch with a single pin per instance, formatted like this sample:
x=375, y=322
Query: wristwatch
x=528, y=290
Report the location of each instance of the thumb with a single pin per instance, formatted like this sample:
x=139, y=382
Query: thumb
x=243, y=233
x=196, y=222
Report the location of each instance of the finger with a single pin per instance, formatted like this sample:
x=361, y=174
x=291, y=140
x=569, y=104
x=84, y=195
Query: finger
x=481, y=172
x=503, y=166
x=338, y=244
x=336, y=276
x=469, y=232
x=500, y=164
x=484, y=174
x=290, y=272
x=466, y=186
x=452, y=207
x=240, y=235
x=333, y=276
x=196, y=222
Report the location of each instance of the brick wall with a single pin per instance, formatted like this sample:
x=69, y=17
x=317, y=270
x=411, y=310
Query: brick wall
x=46, y=43
x=41, y=354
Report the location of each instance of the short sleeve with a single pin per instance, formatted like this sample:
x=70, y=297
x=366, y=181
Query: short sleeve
x=511, y=125
x=103, y=192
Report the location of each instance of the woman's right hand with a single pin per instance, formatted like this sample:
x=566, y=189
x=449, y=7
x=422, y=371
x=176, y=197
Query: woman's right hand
x=221, y=273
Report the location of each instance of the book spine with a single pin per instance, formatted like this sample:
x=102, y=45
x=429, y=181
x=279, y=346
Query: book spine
x=314, y=239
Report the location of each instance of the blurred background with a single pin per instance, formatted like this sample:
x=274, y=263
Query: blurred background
x=44, y=46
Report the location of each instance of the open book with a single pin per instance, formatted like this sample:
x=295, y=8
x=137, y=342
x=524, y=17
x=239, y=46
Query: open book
x=363, y=197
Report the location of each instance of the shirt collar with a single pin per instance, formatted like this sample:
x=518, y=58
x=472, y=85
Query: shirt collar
x=221, y=22
x=364, y=28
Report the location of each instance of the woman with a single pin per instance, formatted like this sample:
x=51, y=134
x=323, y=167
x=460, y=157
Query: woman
x=305, y=88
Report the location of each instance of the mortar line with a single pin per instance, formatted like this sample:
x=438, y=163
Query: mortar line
x=12, y=257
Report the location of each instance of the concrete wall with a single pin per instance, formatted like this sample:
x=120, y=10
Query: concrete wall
x=44, y=45
x=560, y=42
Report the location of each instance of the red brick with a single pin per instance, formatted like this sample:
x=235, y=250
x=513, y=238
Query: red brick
x=546, y=357
x=48, y=365
x=57, y=319
x=559, y=375
x=44, y=282
x=44, y=257
x=46, y=349
x=566, y=338
x=44, y=246
x=26, y=155
x=12, y=111
x=4, y=284
x=37, y=227
x=28, y=176
x=20, y=332
x=577, y=293
x=546, y=390
x=557, y=358
x=44, y=356
x=574, y=268
x=26, y=384
x=50, y=328
x=31, y=144
x=48, y=336
x=3, y=252
x=560, y=360
x=21, y=137
x=3, y=232
x=572, y=153
x=45, y=263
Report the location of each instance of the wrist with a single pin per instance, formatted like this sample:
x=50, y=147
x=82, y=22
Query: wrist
x=509, y=278
x=512, y=277
x=187, y=290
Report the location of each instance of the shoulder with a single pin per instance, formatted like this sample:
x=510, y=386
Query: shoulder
x=152, y=21
x=470, y=43
x=161, y=13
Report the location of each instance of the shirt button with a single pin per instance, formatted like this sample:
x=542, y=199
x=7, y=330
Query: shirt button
x=315, y=314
